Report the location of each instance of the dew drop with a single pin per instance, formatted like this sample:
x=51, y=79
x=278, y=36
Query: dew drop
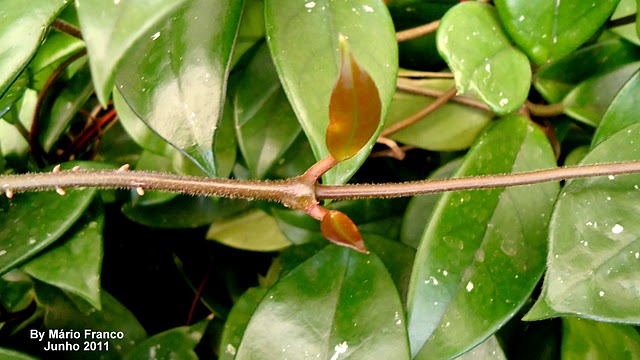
x=3, y=252
x=469, y=286
x=155, y=36
x=601, y=293
x=617, y=229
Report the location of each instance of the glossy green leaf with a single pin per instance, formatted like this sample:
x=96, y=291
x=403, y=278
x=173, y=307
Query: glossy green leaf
x=452, y=127
x=176, y=79
x=225, y=148
x=628, y=31
x=15, y=147
x=69, y=101
x=621, y=113
x=483, y=252
x=16, y=291
x=111, y=28
x=340, y=230
x=585, y=339
x=588, y=101
x=254, y=230
x=303, y=38
x=22, y=29
x=488, y=350
x=251, y=30
x=555, y=80
x=354, y=107
x=35, y=220
x=397, y=258
x=482, y=58
x=182, y=212
x=237, y=322
x=594, y=249
x=338, y=304
x=57, y=47
x=265, y=123
x=421, y=207
x=9, y=354
x=549, y=30
x=65, y=311
x=14, y=93
x=177, y=343
x=74, y=263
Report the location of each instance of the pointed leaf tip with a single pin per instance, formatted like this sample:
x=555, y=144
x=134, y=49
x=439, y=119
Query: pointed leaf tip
x=354, y=108
x=340, y=230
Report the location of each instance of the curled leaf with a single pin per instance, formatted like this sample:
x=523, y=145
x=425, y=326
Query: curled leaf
x=340, y=230
x=354, y=108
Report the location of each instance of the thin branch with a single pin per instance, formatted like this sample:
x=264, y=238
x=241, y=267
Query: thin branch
x=550, y=110
x=296, y=192
x=365, y=191
x=441, y=100
x=417, y=32
x=67, y=28
x=410, y=88
x=424, y=74
x=625, y=20
x=396, y=151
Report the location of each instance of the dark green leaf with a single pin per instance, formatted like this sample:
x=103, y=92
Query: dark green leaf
x=621, y=113
x=481, y=57
x=589, y=100
x=14, y=93
x=585, y=339
x=35, y=220
x=176, y=343
x=111, y=28
x=397, y=258
x=56, y=48
x=22, y=30
x=16, y=291
x=64, y=311
x=488, y=350
x=452, y=127
x=594, y=248
x=549, y=30
x=175, y=79
x=74, y=263
x=180, y=213
x=225, y=147
x=338, y=303
x=254, y=230
x=15, y=147
x=555, y=80
x=421, y=207
x=9, y=354
x=483, y=252
x=265, y=122
x=303, y=38
x=237, y=322
x=251, y=29
x=71, y=99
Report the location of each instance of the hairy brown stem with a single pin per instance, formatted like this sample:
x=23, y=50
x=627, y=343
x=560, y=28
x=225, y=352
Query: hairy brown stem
x=295, y=192
x=67, y=28
x=418, y=31
x=550, y=110
x=441, y=100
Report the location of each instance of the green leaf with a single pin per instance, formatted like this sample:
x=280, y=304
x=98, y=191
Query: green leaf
x=225, y=146
x=9, y=354
x=452, y=127
x=621, y=113
x=397, y=258
x=594, y=249
x=15, y=147
x=71, y=99
x=338, y=303
x=483, y=252
x=265, y=123
x=254, y=230
x=582, y=339
x=481, y=57
x=237, y=322
x=22, y=30
x=14, y=93
x=175, y=79
x=354, y=107
x=181, y=212
x=177, y=343
x=35, y=220
x=303, y=38
x=550, y=30
x=588, y=101
x=74, y=263
x=16, y=291
x=111, y=28
x=57, y=47
x=629, y=31
x=488, y=349
x=555, y=80
x=251, y=29
x=64, y=311
x=421, y=207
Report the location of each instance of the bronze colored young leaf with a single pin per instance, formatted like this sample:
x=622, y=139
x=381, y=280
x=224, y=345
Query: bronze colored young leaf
x=354, y=110
x=340, y=230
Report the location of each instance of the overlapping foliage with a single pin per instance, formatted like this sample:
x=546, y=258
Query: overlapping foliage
x=247, y=89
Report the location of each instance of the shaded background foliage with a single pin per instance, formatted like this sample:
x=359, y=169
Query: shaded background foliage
x=242, y=89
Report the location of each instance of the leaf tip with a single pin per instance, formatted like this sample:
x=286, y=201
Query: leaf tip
x=340, y=230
